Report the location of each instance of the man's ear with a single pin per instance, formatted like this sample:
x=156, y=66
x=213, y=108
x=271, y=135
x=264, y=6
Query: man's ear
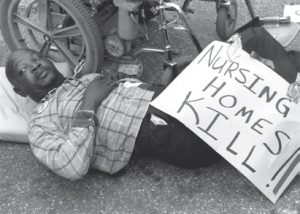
x=20, y=92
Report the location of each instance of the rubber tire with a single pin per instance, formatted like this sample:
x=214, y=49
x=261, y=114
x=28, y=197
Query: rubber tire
x=225, y=26
x=79, y=13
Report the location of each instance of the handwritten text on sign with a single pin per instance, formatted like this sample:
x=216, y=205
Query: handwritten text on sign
x=240, y=108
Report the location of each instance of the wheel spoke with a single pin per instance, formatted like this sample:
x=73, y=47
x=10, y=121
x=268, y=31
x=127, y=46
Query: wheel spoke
x=45, y=48
x=71, y=31
x=28, y=24
x=66, y=53
x=45, y=17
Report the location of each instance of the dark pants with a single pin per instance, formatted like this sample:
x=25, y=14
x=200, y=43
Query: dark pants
x=286, y=64
x=173, y=143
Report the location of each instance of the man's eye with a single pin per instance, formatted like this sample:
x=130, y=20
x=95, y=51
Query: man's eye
x=35, y=58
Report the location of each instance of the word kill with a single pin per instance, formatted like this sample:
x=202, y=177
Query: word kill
x=215, y=87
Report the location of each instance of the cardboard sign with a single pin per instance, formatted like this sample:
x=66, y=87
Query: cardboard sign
x=239, y=107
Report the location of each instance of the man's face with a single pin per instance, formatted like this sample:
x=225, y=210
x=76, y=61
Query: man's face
x=32, y=73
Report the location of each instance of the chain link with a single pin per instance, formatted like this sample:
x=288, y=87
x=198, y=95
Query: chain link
x=78, y=68
x=294, y=91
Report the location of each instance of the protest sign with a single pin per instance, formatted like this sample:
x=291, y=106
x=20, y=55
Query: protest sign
x=239, y=107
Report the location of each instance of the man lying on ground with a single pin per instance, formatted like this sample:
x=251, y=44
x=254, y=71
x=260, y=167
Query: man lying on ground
x=101, y=122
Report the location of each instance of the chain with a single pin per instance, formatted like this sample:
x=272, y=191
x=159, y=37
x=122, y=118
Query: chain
x=232, y=52
x=294, y=91
x=49, y=95
x=45, y=101
x=78, y=68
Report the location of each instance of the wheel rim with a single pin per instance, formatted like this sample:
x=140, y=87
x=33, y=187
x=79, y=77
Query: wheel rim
x=47, y=21
x=232, y=14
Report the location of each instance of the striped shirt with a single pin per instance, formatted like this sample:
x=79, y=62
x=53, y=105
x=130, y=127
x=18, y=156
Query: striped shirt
x=105, y=144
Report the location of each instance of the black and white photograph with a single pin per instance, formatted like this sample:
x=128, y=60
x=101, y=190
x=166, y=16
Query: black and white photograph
x=150, y=106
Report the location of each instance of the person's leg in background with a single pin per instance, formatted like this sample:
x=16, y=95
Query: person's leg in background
x=257, y=39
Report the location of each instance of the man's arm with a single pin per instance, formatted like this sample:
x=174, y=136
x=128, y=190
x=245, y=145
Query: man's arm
x=67, y=154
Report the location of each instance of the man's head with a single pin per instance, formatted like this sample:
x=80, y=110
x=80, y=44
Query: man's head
x=31, y=74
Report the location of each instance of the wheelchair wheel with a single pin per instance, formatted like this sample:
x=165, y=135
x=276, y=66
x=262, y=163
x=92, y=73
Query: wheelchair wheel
x=67, y=27
x=226, y=20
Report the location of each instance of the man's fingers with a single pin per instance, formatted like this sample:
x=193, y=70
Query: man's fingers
x=113, y=83
x=114, y=77
x=109, y=82
x=111, y=79
x=117, y=76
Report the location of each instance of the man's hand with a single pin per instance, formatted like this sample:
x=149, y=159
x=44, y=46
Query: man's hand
x=98, y=90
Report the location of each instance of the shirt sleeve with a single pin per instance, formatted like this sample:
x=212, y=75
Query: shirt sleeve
x=67, y=154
